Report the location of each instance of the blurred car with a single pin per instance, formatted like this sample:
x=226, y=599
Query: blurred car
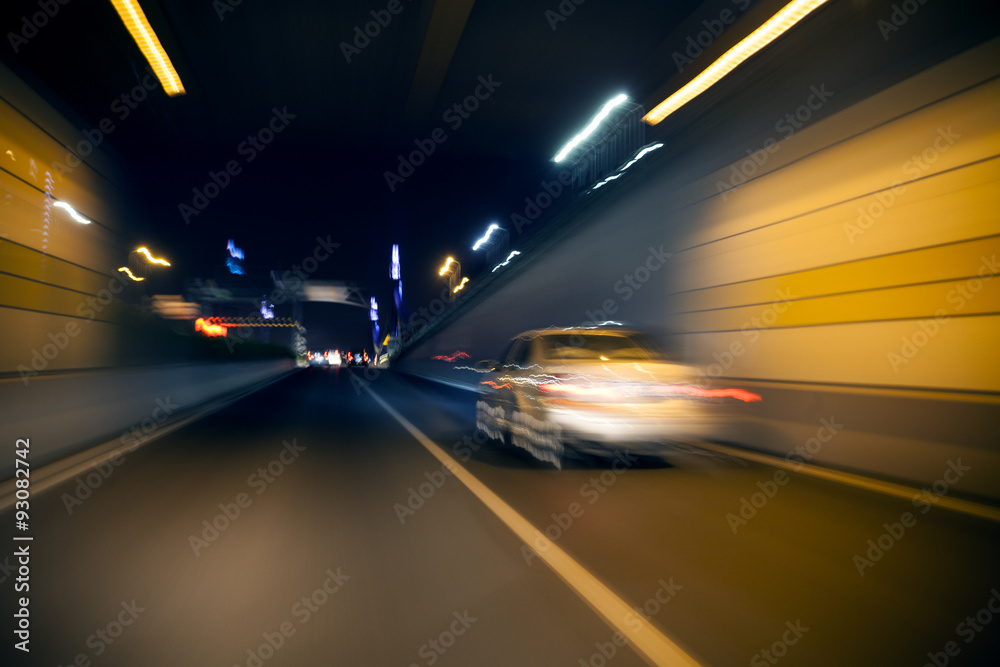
x=590, y=391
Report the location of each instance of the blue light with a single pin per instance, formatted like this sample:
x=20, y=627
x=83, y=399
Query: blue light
x=233, y=250
x=234, y=267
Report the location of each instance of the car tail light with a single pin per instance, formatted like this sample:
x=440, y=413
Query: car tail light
x=579, y=391
x=702, y=392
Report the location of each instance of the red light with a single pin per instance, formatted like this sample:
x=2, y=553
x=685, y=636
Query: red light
x=458, y=355
x=738, y=394
x=208, y=328
x=662, y=391
x=493, y=384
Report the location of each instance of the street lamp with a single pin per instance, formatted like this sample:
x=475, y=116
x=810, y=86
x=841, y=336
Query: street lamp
x=453, y=270
x=496, y=239
x=141, y=260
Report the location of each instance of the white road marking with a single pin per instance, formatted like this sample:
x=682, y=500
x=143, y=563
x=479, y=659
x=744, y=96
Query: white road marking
x=647, y=640
x=878, y=486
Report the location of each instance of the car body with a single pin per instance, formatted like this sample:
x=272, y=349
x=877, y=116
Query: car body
x=590, y=391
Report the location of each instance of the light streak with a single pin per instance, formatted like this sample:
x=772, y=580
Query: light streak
x=73, y=213
x=152, y=259
x=486, y=237
x=124, y=269
x=587, y=131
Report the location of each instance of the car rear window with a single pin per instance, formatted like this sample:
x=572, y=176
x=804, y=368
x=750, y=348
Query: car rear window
x=591, y=347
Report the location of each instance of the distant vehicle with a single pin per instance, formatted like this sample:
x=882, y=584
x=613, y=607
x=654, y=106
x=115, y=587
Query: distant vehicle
x=589, y=391
x=316, y=358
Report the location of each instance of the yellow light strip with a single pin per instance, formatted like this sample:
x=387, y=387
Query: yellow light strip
x=152, y=259
x=770, y=30
x=124, y=269
x=464, y=280
x=447, y=264
x=134, y=19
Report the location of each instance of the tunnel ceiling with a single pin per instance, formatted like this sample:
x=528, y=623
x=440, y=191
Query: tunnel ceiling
x=551, y=65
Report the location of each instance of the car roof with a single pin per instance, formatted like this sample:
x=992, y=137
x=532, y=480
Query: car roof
x=580, y=330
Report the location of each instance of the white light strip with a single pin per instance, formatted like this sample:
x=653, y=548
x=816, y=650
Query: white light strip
x=513, y=253
x=638, y=156
x=486, y=237
x=73, y=213
x=605, y=110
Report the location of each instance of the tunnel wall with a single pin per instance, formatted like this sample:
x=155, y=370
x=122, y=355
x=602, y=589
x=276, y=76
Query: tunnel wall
x=842, y=266
x=64, y=413
x=51, y=264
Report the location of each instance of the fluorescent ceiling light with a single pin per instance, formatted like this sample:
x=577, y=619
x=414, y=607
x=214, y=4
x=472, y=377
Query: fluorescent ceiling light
x=134, y=19
x=770, y=30
x=587, y=131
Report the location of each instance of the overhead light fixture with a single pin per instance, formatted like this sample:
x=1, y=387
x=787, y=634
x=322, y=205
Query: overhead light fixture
x=460, y=286
x=486, y=237
x=770, y=30
x=587, y=131
x=447, y=265
x=134, y=19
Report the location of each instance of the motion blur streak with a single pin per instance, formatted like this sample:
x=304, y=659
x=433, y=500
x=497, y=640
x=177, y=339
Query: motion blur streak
x=72, y=212
x=149, y=256
x=125, y=270
x=660, y=391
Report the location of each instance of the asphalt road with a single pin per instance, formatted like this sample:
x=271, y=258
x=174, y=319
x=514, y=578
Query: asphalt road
x=305, y=525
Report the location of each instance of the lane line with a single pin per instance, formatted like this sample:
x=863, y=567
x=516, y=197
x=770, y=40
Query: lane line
x=652, y=644
x=869, y=484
